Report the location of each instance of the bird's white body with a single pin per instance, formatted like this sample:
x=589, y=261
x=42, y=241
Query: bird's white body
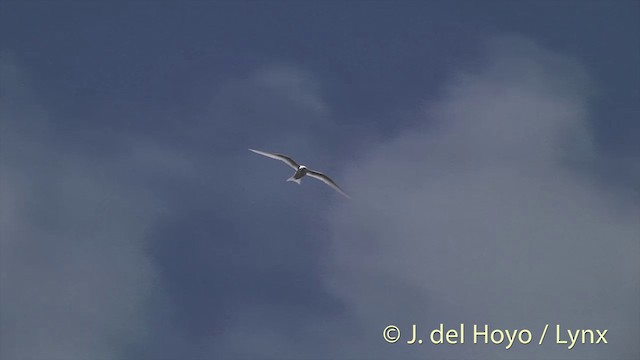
x=301, y=171
x=298, y=175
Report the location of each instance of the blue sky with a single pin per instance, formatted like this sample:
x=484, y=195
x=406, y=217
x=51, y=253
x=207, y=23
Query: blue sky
x=489, y=148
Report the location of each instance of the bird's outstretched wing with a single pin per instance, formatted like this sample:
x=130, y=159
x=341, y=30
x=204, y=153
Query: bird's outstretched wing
x=287, y=160
x=327, y=180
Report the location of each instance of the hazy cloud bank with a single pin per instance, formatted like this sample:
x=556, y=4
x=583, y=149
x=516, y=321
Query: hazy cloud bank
x=75, y=276
x=487, y=213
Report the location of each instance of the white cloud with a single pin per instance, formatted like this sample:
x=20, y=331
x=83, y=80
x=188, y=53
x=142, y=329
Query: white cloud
x=293, y=84
x=480, y=216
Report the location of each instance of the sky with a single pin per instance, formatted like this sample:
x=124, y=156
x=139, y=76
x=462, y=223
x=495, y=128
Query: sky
x=491, y=151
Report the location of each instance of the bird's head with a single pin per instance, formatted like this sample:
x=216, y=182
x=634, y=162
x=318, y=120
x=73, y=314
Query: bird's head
x=302, y=167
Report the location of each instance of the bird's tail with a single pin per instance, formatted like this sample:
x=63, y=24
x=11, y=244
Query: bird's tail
x=297, y=181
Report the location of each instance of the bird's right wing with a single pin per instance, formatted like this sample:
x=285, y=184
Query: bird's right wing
x=287, y=160
x=327, y=180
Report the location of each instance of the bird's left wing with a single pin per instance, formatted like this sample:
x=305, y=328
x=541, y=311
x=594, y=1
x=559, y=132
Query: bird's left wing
x=287, y=160
x=327, y=180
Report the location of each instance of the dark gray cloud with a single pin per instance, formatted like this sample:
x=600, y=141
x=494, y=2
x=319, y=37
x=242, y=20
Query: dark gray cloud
x=487, y=213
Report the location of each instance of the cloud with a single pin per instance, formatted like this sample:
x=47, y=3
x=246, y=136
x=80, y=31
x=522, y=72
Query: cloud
x=236, y=254
x=75, y=277
x=486, y=212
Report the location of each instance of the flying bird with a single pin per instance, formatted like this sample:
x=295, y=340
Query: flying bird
x=301, y=170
